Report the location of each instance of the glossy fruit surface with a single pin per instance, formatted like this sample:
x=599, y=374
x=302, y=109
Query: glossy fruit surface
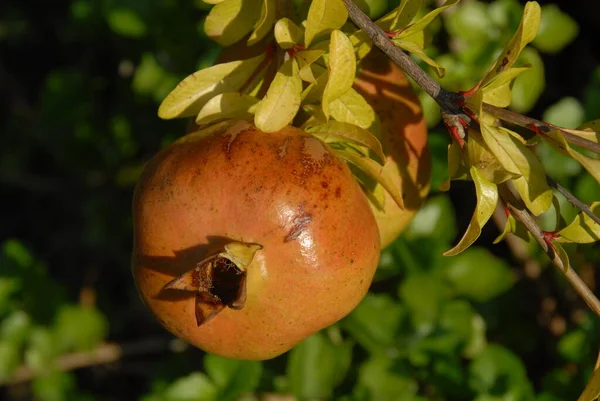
x=403, y=136
x=319, y=243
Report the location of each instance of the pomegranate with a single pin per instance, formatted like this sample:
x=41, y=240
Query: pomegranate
x=245, y=243
x=403, y=136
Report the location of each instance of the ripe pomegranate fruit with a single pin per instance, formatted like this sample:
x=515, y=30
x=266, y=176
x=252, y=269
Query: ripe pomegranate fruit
x=403, y=136
x=245, y=243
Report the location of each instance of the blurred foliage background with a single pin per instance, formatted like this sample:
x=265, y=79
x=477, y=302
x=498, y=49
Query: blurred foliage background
x=80, y=82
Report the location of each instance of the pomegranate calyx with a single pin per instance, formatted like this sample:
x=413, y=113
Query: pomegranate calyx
x=219, y=281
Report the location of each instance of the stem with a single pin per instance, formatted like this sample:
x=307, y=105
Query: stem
x=520, y=213
x=529, y=123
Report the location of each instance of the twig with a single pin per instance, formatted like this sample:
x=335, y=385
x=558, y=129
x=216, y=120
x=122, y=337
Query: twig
x=104, y=354
x=573, y=200
x=538, y=126
x=520, y=213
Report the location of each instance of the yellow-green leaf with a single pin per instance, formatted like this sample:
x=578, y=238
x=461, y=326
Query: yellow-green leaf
x=528, y=28
x=582, y=230
x=513, y=226
x=194, y=91
x=413, y=48
x=403, y=14
x=231, y=20
x=333, y=131
x=427, y=19
x=487, y=199
x=342, y=68
x=485, y=161
x=592, y=390
x=279, y=106
x=362, y=44
x=212, y=1
x=537, y=200
x=502, y=146
x=227, y=105
x=352, y=108
x=589, y=131
x=556, y=139
x=374, y=170
x=498, y=92
x=323, y=17
x=456, y=166
x=265, y=22
x=305, y=60
x=314, y=92
x=562, y=254
x=287, y=33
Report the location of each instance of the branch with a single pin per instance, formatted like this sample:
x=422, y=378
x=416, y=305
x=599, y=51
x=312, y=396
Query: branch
x=538, y=126
x=521, y=214
x=573, y=200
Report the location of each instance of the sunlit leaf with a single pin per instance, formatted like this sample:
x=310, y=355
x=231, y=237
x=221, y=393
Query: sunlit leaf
x=323, y=17
x=227, y=105
x=279, y=106
x=592, y=390
x=265, y=22
x=352, y=108
x=231, y=20
x=457, y=170
x=498, y=92
x=482, y=157
x=287, y=33
x=535, y=192
x=562, y=254
x=334, y=131
x=557, y=140
x=589, y=131
x=515, y=227
x=402, y=15
x=415, y=49
x=487, y=198
x=528, y=28
x=427, y=19
x=583, y=229
x=314, y=92
x=193, y=92
x=375, y=170
x=305, y=60
x=342, y=69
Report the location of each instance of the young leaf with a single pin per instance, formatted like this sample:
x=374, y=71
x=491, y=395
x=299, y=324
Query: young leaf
x=305, y=60
x=374, y=170
x=515, y=227
x=415, y=49
x=427, y=19
x=342, y=68
x=589, y=131
x=480, y=156
x=562, y=254
x=314, y=92
x=498, y=92
x=265, y=22
x=582, y=230
x=323, y=17
x=231, y=20
x=352, y=108
x=402, y=15
x=193, y=92
x=333, y=131
x=557, y=140
x=528, y=28
x=227, y=105
x=487, y=198
x=287, y=33
x=279, y=106
x=536, y=197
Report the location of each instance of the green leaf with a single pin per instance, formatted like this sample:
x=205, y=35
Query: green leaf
x=265, y=22
x=479, y=275
x=188, y=98
x=342, y=68
x=487, y=198
x=323, y=17
x=375, y=171
x=306, y=58
x=314, y=92
x=194, y=387
x=15, y=328
x=78, y=328
x=282, y=101
x=423, y=295
x=435, y=220
x=402, y=15
x=515, y=227
x=126, y=23
x=334, y=131
x=415, y=49
x=582, y=230
x=424, y=22
x=528, y=86
x=375, y=323
x=232, y=377
x=527, y=31
x=314, y=367
x=229, y=21
x=287, y=33
x=568, y=112
x=496, y=370
x=557, y=30
x=53, y=386
x=381, y=380
x=10, y=355
x=227, y=105
x=352, y=108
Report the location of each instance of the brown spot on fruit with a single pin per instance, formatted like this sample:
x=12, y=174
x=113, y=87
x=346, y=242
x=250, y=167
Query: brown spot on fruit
x=298, y=225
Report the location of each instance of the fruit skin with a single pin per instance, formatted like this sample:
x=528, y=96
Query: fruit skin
x=284, y=191
x=403, y=136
